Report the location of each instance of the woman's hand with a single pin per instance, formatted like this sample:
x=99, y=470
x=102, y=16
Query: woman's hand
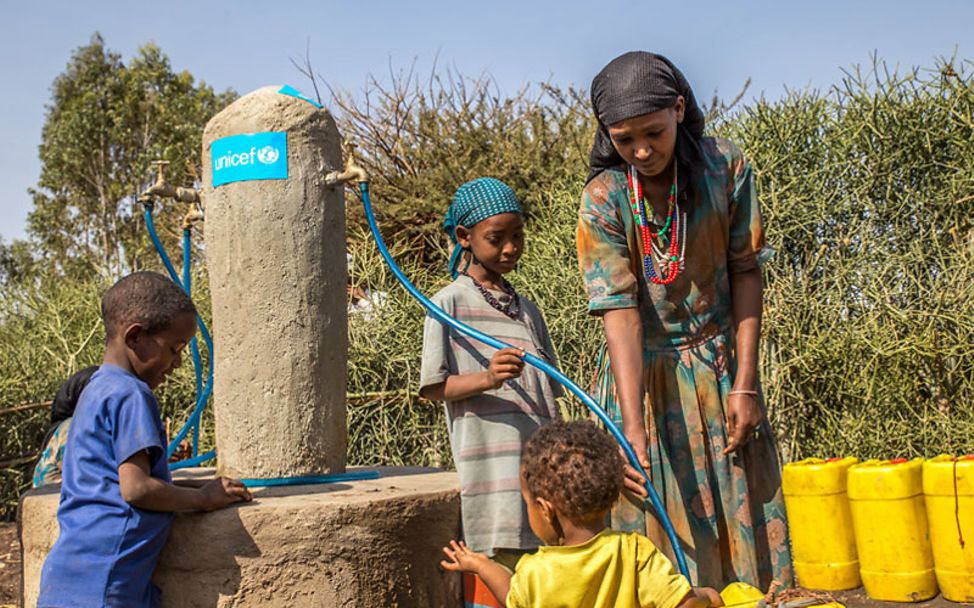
x=634, y=481
x=743, y=416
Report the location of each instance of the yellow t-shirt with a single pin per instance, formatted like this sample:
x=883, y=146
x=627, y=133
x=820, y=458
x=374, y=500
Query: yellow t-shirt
x=611, y=570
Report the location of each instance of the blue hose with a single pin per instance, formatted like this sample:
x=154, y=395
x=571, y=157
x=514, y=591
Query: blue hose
x=193, y=423
x=553, y=372
x=310, y=479
x=193, y=344
x=203, y=397
x=192, y=462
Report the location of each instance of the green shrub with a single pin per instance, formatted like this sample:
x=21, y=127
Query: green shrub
x=868, y=196
x=867, y=192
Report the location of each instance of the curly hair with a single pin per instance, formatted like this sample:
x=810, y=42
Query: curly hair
x=575, y=465
x=147, y=298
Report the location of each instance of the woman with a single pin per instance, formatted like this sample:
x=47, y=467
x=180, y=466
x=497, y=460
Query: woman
x=670, y=244
x=47, y=469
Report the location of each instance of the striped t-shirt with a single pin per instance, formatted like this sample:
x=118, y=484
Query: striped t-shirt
x=488, y=430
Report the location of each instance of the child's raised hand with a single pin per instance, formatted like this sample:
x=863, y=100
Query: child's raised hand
x=506, y=364
x=223, y=491
x=462, y=559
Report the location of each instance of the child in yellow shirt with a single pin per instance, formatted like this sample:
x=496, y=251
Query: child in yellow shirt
x=571, y=474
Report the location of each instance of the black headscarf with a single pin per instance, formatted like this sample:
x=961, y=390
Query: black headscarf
x=67, y=396
x=638, y=83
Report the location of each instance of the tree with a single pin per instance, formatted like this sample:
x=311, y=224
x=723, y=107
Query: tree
x=16, y=261
x=106, y=123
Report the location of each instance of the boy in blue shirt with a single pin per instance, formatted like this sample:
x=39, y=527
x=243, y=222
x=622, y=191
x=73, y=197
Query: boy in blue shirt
x=117, y=496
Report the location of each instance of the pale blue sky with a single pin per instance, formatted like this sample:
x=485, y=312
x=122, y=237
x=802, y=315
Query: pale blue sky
x=247, y=44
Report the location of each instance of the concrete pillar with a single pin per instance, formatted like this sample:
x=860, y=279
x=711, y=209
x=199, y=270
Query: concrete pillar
x=275, y=251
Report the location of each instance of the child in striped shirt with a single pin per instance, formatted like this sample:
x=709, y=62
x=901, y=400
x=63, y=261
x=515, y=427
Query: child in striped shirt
x=493, y=402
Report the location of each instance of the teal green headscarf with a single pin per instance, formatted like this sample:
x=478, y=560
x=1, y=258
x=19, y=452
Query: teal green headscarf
x=474, y=202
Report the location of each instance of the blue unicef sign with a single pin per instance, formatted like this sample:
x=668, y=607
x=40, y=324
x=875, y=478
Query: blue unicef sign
x=248, y=157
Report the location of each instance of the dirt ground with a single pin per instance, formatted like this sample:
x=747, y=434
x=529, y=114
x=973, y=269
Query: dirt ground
x=858, y=599
x=9, y=565
x=10, y=580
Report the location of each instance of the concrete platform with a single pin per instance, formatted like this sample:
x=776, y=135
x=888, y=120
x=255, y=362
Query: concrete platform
x=359, y=543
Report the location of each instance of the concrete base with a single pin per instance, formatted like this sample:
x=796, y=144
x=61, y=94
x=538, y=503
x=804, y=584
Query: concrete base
x=360, y=543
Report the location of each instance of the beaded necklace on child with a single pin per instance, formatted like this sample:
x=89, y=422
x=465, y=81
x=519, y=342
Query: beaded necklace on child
x=513, y=307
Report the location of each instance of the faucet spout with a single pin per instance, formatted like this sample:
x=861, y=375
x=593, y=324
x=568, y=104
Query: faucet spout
x=163, y=189
x=352, y=172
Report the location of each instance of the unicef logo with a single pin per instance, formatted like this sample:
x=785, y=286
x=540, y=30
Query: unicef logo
x=249, y=156
x=268, y=155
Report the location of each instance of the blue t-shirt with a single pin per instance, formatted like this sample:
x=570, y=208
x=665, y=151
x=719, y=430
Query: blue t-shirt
x=107, y=548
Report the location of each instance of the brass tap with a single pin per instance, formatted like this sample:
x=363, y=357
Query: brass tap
x=194, y=215
x=352, y=172
x=163, y=189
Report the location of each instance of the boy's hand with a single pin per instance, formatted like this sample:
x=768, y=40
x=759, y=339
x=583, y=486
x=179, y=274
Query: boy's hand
x=701, y=597
x=462, y=559
x=223, y=491
x=711, y=595
x=506, y=364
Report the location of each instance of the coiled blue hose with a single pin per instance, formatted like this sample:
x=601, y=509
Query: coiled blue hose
x=553, y=372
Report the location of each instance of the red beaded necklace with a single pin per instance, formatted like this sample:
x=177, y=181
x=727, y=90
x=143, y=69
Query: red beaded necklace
x=672, y=261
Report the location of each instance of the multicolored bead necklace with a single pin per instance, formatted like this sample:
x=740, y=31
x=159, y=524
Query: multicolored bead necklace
x=673, y=233
x=512, y=309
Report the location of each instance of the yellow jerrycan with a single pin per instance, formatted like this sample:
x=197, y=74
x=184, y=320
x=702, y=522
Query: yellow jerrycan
x=948, y=489
x=890, y=522
x=823, y=544
x=741, y=595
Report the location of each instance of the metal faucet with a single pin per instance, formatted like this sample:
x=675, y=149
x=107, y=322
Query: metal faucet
x=352, y=171
x=163, y=189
